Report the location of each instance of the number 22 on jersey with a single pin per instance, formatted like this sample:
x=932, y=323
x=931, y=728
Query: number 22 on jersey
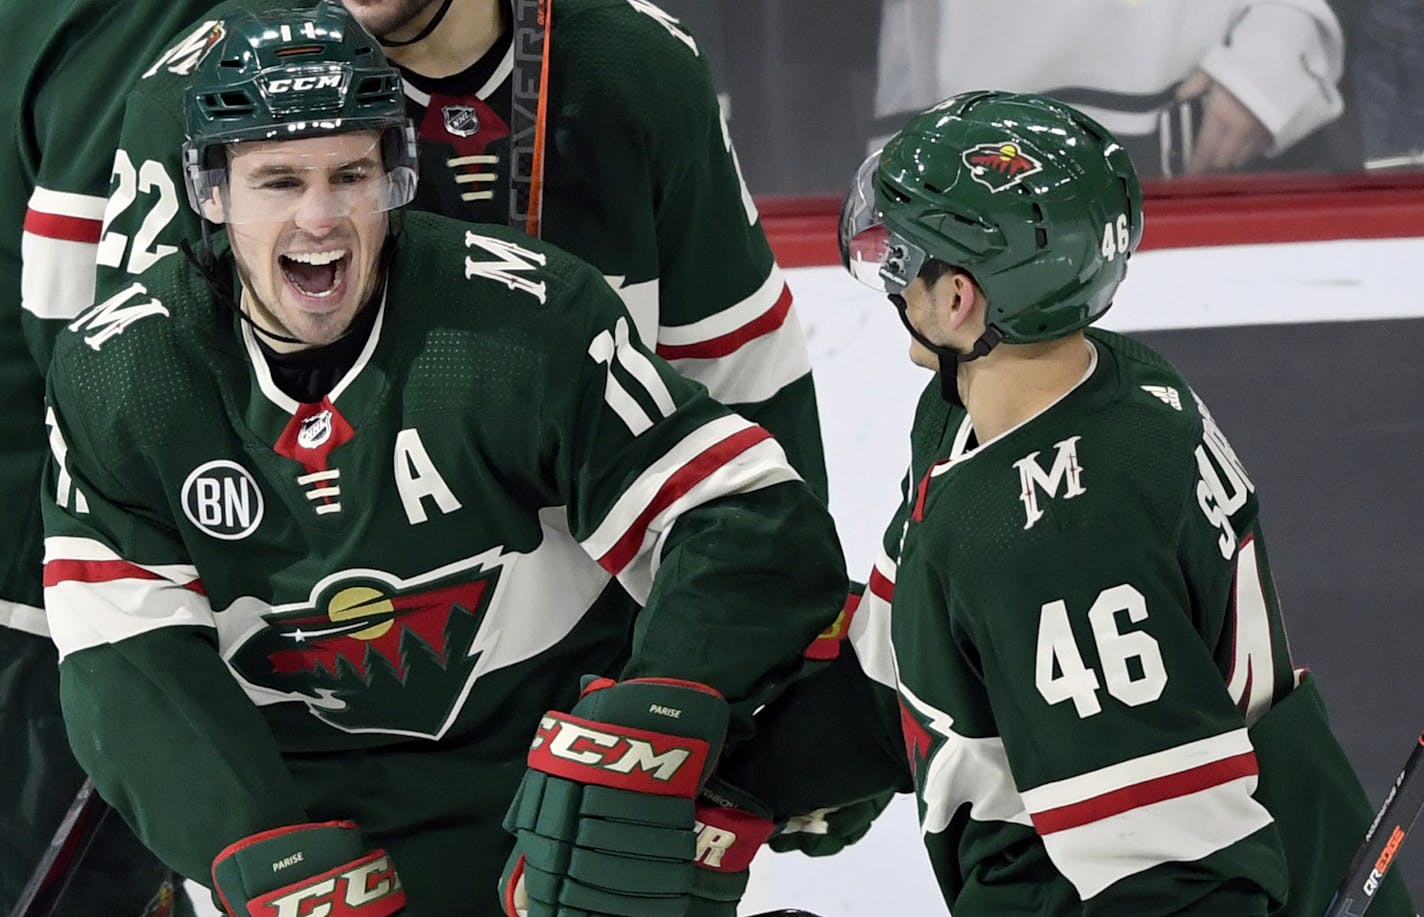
x=150, y=180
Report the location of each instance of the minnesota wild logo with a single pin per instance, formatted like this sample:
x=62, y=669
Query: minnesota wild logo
x=918, y=741
x=1000, y=165
x=373, y=652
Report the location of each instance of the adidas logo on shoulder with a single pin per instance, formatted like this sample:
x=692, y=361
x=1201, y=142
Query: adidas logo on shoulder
x=1166, y=394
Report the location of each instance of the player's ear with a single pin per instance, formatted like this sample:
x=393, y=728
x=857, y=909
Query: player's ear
x=212, y=207
x=961, y=295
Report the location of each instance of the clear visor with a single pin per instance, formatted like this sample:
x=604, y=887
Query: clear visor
x=873, y=254
x=332, y=177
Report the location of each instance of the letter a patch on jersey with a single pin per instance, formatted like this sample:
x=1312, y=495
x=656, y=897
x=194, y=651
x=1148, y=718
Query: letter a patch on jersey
x=1065, y=470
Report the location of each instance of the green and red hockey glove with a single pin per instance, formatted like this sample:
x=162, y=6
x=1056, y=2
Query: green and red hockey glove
x=825, y=832
x=604, y=818
x=731, y=828
x=320, y=868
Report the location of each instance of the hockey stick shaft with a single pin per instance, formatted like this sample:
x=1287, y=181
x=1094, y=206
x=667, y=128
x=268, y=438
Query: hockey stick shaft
x=529, y=111
x=1382, y=841
x=71, y=839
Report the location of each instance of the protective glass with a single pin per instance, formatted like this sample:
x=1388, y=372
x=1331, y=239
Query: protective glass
x=870, y=251
x=274, y=187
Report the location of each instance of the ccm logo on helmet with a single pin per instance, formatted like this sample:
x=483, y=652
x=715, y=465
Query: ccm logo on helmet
x=304, y=83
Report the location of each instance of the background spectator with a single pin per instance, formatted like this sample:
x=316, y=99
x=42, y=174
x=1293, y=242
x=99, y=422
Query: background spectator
x=1188, y=87
x=1387, y=64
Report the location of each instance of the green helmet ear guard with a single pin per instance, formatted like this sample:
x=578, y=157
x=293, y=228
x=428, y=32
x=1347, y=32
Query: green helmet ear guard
x=290, y=74
x=1035, y=200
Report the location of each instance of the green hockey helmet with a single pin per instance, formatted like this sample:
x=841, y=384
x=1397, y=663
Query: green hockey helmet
x=290, y=74
x=1033, y=199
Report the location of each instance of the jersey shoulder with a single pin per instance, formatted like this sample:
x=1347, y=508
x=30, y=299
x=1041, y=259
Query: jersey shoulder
x=1113, y=461
x=629, y=60
x=148, y=352
x=453, y=263
x=511, y=313
x=67, y=80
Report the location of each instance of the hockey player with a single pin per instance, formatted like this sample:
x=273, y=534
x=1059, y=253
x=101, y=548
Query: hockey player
x=639, y=178
x=1074, y=611
x=65, y=67
x=347, y=498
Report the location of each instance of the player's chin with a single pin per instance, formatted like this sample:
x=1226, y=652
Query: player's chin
x=921, y=356
x=318, y=330
x=318, y=322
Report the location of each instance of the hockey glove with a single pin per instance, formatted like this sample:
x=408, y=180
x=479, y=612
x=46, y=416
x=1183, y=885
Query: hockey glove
x=829, y=831
x=321, y=868
x=603, y=820
x=731, y=827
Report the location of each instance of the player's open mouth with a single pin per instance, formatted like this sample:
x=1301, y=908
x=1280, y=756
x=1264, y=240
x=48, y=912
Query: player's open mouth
x=316, y=274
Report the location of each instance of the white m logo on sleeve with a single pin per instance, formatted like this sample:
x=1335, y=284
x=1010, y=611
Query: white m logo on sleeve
x=1031, y=477
x=510, y=263
x=112, y=316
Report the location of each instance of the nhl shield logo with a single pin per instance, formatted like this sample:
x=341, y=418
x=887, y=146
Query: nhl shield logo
x=315, y=430
x=461, y=120
x=1002, y=165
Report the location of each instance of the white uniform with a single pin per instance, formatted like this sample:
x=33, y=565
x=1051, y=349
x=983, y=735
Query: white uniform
x=1282, y=59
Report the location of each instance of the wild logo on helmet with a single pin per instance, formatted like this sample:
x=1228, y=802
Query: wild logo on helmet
x=997, y=166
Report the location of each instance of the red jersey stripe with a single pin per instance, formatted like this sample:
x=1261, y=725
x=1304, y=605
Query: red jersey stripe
x=1145, y=793
x=724, y=344
x=59, y=226
x=683, y=480
x=57, y=572
x=880, y=585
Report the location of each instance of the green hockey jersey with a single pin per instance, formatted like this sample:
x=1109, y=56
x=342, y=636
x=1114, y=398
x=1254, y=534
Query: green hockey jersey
x=640, y=179
x=1095, y=694
x=271, y=612
x=61, y=99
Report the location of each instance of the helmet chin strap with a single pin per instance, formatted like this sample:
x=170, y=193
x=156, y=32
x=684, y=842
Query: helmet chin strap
x=949, y=357
x=423, y=33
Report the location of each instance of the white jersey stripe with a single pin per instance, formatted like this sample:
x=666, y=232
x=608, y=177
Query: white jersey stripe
x=63, y=547
x=629, y=541
x=1185, y=828
x=58, y=247
x=756, y=370
x=729, y=319
x=1172, y=762
x=57, y=277
x=25, y=618
x=762, y=465
x=84, y=615
x=67, y=203
x=870, y=628
x=645, y=488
